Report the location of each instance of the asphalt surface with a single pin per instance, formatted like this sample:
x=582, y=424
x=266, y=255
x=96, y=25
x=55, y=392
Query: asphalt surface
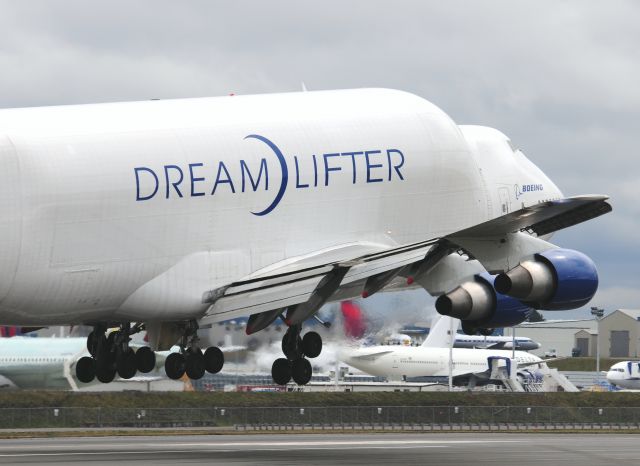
x=401, y=448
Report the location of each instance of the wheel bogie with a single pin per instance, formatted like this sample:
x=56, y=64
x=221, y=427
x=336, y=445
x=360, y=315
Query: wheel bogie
x=111, y=355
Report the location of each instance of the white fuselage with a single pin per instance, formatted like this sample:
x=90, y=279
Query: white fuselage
x=478, y=341
x=132, y=211
x=625, y=374
x=398, y=362
x=39, y=363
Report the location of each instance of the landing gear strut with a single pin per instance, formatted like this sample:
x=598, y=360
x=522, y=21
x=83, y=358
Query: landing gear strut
x=191, y=360
x=295, y=365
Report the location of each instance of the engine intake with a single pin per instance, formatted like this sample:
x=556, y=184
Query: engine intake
x=558, y=279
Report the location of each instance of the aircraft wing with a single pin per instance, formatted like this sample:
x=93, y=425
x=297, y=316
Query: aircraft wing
x=309, y=281
x=372, y=355
x=543, y=218
x=497, y=345
x=295, y=282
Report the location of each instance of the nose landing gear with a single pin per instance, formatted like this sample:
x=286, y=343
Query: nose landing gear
x=295, y=364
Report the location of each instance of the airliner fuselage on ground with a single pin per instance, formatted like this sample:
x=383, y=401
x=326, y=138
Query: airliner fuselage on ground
x=169, y=215
x=495, y=342
x=401, y=362
x=431, y=359
x=27, y=362
x=625, y=374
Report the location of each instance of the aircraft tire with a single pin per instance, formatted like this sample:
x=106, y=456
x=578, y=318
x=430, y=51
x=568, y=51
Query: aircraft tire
x=301, y=371
x=485, y=331
x=281, y=371
x=86, y=369
x=292, y=345
x=312, y=344
x=126, y=364
x=145, y=359
x=213, y=360
x=194, y=364
x=93, y=343
x=174, y=366
x=105, y=372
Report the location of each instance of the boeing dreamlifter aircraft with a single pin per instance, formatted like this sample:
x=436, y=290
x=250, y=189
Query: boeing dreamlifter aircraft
x=170, y=215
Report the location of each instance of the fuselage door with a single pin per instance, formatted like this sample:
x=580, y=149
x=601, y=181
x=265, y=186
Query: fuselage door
x=505, y=200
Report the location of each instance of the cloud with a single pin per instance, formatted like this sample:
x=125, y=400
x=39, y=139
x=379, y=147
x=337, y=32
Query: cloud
x=617, y=297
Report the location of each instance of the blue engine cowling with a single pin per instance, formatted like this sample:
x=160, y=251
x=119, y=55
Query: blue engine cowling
x=479, y=306
x=557, y=279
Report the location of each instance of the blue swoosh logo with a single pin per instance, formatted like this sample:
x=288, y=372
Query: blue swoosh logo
x=283, y=167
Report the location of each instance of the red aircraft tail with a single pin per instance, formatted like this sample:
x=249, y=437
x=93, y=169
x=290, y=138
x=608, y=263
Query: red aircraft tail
x=354, y=325
x=6, y=331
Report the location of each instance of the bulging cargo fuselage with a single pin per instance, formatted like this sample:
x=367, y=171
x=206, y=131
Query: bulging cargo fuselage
x=132, y=211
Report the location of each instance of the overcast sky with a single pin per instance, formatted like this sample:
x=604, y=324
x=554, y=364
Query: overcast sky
x=561, y=78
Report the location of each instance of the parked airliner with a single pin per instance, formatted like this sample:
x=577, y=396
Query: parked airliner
x=431, y=359
x=625, y=374
x=495, y=342
x=28, y=362
x=167, y=216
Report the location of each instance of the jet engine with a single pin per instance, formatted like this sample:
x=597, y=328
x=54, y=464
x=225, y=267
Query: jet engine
x=478, y=306
x=557, y=279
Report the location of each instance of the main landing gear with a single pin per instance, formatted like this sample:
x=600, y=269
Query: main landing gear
x=191, y=360
x=296, y=350
x=111, y=355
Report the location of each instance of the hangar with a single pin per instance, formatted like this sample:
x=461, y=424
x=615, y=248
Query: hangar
x=619, y=335
x=554, y=336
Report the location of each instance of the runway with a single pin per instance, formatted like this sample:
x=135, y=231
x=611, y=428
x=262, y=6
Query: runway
x=521, y=449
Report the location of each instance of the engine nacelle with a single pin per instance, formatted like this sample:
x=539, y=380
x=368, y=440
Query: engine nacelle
x=477, y=305
x=557, y=279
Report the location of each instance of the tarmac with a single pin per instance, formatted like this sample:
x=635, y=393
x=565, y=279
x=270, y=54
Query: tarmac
x=344, y=449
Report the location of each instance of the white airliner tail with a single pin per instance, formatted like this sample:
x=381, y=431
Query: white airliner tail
x=441, y=333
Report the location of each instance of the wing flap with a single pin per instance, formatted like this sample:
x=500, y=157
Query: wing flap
x=288, y=286
x=253, y=301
